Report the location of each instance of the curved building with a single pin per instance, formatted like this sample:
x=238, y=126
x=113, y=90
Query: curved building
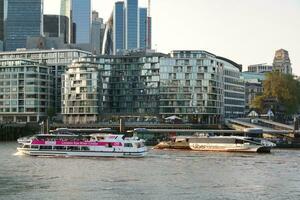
x=81, y=93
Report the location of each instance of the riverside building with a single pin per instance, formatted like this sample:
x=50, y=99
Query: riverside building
x=107, y=87
x=196, y=86
x=26, y=90
x=56, y=59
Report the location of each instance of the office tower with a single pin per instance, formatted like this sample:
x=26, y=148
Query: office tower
x=118, y=27
x=56, y=26
x=97, y=33
x=1, y=20
x=21, y=21
x=143, y=28
x=282, y=62
x=108, y=41
x=81, y=17
x=65, y=10
x=131, y=24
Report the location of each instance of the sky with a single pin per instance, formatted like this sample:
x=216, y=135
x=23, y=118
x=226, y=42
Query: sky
x=245, y=31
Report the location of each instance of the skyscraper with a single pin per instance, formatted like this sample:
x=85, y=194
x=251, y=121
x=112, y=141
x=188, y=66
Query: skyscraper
x=97, y=33
x=22, y=19
x=131, y=24
x=282, y=62
x=56, y=26
x=81, y=17
x=1, y=19
x=65, y=10
x=143, y=28
x=118, y=27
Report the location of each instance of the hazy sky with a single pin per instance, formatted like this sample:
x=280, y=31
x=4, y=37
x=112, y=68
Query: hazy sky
x=245, y=31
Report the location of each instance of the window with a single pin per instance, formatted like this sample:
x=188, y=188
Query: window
x=128, y=145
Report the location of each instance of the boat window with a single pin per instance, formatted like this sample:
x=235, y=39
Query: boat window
x=100, y=138
x=85, y=149
x=59, y=147
x=237, y=141
x=73, y=148
x=34, y=146
x=26, y=146
x=128, y=145
x=46, y=147
x=109, y=145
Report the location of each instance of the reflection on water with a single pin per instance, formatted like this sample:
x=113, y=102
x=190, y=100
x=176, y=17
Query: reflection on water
x=163, y=174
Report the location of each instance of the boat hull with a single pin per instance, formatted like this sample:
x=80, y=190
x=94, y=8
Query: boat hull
x=247, y=149
x=34, y=152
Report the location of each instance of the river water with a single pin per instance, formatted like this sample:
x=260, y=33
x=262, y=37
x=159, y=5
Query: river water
x=163, y=174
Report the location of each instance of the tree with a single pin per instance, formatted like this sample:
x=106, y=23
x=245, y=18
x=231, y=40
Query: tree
x=51, y=113
x=282, y=89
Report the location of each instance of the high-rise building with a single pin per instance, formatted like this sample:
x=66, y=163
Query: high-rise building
x=56, y=26
x=118, y=27
x=65, y=10
x=282, y=62
x=97, y=33
x=81, y=17
x=22, y=19
x=143, y=19
x=1, y=20
x=131, y=24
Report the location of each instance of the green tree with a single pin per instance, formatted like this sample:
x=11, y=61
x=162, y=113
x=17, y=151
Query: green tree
x=282, y=87
x=51, y=113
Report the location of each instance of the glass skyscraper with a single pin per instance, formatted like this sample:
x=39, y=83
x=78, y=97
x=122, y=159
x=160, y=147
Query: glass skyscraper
x=81, y=16
x=21, y=20
x=143, y=28
x=131, y=24
x=118, y=36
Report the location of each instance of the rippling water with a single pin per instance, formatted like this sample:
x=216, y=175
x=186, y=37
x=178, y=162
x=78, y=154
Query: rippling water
x=163, y=174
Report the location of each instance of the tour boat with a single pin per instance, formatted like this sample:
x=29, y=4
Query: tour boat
x=94, y=145
x=230, y=144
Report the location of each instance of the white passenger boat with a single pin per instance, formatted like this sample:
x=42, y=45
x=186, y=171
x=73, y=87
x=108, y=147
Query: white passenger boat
x=94, y=145
x=230, y=144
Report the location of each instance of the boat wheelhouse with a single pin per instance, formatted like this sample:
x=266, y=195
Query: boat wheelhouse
x=94, y=145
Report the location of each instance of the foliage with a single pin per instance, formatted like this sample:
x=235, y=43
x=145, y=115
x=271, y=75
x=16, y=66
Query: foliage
x=282, y=87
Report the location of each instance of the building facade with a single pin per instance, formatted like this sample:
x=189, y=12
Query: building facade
x=253, y=87
x=126, y=86
x=26, y=89
x=21, y=22
x=81, y=87
x=82, y=21
x=196, y=86
x=143, y=20
x=234, y=88
x=118, y=27
x=131, y=24
x=260, y=68
x=282, y=62
x=97, y=34
x=57, y=60
x=56, y=26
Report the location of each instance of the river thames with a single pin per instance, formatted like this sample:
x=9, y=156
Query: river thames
x=163, y=174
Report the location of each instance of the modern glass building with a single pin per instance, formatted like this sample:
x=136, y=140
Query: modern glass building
x=234, y=88
x=118, y=27
x=1, y=20
x=57, y=60
x=22, y=19
x=82, y=21
x=196, y=86
x=191, y=87
x=56, y=26
x=131, y=24
x=65, y=10
x=25, y=90
x=143, y=31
